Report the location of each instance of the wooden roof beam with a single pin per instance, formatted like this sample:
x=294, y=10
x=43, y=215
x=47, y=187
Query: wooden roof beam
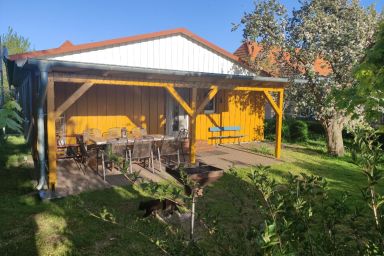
x=179, y=99
x=209, y=97
x=73, y=98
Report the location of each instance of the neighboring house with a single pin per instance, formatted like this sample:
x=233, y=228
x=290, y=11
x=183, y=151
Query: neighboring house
x=163, y=82
x=248, y=51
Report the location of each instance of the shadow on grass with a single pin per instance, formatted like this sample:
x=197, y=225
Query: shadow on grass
x=342, y=176
x=107, y=222
x=10, y=152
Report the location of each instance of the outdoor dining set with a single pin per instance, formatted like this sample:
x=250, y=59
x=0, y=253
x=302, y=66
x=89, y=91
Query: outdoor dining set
x=120, y=148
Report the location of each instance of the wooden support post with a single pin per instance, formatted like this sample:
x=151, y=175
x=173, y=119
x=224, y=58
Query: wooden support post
x=73, y=98
x=279, y=123
x=51, y=134
x=192, y=128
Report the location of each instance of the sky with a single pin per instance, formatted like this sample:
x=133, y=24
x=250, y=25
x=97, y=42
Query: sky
x=48, y=23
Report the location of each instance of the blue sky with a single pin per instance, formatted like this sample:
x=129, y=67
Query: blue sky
x=48, y=23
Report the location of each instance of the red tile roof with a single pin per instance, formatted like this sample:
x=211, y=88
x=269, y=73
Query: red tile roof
x=68, y=47
x=249, y=50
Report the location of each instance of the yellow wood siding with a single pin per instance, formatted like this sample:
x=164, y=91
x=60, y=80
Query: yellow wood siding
x=105, y=107
x=234, y=108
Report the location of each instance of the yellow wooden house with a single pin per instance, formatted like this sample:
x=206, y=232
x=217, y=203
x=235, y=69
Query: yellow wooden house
x=163, y=82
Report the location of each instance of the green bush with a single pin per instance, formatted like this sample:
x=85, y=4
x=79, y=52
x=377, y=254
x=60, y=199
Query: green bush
x=298, y=131
x=315, y=129
x=292, y=131
x=270, y=129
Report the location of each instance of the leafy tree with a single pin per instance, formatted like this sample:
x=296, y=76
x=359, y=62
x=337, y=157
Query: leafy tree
x=9, y=112
x=15, y=44
x=333, y=33
x=368, y=92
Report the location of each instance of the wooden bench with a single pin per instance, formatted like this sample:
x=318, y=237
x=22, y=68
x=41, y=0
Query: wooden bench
x=226, y=129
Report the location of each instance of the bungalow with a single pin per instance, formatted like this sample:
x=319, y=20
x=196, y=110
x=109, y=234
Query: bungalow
x=163, y=82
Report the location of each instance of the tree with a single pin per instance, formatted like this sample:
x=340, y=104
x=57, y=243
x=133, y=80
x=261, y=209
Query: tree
x=9, y=112
x=15, y=44
x=368, y=92
x=333, y=33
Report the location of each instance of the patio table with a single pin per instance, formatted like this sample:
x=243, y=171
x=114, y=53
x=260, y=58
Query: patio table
x=99, y=141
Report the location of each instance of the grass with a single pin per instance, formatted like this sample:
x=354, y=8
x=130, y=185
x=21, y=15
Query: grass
x=108, y=222
x=262, y=149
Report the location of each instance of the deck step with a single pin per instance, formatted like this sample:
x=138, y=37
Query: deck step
x=202, y=146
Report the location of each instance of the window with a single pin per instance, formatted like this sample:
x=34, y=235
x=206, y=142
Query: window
x=210, y=107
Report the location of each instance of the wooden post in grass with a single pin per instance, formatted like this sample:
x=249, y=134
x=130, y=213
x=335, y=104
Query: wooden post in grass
x=192, y=134
x=278, y=108
x=51, y=134
x=279, y=124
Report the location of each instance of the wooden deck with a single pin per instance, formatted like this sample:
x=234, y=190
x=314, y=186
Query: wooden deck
x=72, y=180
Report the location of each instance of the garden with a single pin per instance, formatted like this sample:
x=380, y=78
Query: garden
x=311, y=203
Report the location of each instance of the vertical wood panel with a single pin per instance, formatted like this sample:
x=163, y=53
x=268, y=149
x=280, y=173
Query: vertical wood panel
x=92, y=108
x=161, y=114
x=102, y=107
x=121, y=119
x=137, y=105
x=236, y=109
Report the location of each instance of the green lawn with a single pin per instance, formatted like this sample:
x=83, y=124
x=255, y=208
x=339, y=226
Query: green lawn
x=108, y=222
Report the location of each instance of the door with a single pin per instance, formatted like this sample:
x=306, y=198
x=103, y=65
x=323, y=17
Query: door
x=177, y=118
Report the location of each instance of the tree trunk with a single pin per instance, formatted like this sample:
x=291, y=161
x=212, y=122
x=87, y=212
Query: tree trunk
x=334, y=136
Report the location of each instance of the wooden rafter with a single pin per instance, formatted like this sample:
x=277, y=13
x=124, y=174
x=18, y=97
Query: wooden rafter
x=79, y=79
x=179, y=99
x=209, y=97
x=272, y=102
x=73, y=98
x=257, y=89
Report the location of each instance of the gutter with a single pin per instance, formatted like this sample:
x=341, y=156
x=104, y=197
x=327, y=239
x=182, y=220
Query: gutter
x=40, y=129
x=102, y=67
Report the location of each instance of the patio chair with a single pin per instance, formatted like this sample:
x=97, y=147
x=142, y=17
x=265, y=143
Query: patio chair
x=92, y=132
x=181, y=137
x=112, y=133
x=138, y=132
x=141, y=152
x=114, y=152
x=78, y=153
x=168, y=149
x=183, y=134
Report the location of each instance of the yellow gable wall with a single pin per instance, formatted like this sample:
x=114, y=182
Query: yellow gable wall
x=234, y=108
x=105, y=106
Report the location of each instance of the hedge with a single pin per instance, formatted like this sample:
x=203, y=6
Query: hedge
x=294, y=130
